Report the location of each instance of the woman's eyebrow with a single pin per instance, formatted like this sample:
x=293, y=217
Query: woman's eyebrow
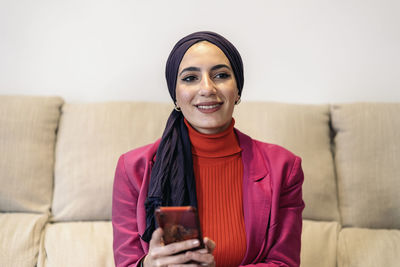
x=189, y=69
x=220, y=66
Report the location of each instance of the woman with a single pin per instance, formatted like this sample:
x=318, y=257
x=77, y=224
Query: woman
x=248, y=193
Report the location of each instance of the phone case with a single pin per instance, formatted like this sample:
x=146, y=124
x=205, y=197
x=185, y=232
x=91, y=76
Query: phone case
x=179, y=224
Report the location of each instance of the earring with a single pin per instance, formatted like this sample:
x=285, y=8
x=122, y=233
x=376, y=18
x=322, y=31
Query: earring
x=177, y=108
x=237, y=101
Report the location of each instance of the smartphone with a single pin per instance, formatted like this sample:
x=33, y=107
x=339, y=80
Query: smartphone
x=179, y=224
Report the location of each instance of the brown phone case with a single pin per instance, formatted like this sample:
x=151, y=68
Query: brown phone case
x=179, y=224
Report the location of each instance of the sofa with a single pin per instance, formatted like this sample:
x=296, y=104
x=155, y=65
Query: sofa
x=58, y=161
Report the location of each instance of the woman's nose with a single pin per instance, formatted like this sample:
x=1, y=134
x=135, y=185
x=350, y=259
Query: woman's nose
x=207, y=86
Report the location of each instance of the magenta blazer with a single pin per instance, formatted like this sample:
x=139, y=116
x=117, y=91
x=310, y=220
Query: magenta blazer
x=272, y=204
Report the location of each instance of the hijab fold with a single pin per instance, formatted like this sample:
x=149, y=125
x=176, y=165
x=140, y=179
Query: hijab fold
x=172, y=180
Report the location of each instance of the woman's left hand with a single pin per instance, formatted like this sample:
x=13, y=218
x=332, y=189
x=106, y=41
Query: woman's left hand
x=204, y=257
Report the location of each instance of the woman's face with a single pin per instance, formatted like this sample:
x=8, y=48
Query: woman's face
x=206, y=88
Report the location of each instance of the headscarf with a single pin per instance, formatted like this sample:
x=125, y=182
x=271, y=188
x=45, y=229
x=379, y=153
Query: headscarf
x=172, y=180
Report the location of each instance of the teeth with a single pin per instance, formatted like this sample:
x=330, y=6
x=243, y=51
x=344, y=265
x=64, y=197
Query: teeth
x=208, y=107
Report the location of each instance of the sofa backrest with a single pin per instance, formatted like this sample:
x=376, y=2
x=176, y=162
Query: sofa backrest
x=305, y=130
x=92, y=136
x=90, y=139
x=367, y=159
x=27, y=141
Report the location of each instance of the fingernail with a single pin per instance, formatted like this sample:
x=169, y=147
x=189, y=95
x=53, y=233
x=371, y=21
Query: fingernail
x=196, y=242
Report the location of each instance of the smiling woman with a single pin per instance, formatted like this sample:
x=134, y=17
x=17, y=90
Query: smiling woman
x=206, y=89
x=248, y=193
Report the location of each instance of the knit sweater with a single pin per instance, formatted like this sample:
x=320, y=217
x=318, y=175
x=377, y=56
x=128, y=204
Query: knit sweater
x=218, y=171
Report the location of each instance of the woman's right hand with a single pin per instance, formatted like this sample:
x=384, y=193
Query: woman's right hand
x=164, y=255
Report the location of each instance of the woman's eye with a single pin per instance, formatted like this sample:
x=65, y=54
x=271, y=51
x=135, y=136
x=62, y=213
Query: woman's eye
x=190, y=78
x=222, y=75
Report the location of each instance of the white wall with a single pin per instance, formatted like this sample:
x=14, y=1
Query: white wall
x=312, y=51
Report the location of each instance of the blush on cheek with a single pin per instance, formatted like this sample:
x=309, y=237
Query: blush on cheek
x=183, y=97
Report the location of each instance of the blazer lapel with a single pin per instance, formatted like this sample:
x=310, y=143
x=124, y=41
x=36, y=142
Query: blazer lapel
x=256, y=197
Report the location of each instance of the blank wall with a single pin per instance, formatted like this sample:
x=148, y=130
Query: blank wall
x=311, y=51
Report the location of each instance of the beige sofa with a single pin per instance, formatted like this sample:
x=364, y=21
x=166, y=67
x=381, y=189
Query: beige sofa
x=58, y=159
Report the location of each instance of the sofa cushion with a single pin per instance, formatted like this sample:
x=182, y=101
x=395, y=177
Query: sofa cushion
x=77, y=244
x=90, y=140
x=367, y=153
x=303, y=129
x=318, y=243
x=94, y=245
x=27, y=140
x=19, y=238
x=368, y=247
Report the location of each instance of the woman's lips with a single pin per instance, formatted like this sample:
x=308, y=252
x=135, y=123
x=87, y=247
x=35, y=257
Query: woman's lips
x=208, y=107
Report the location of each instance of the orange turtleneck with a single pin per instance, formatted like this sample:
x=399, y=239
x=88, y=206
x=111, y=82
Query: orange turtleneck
x=218, y=170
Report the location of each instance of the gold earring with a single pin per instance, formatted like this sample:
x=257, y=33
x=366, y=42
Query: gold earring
x=177, y=108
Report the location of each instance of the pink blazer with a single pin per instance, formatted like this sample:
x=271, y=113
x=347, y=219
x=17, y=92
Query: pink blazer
x=272, y=204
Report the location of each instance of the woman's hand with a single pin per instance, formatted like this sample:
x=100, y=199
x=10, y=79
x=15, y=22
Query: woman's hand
x=204, y=256
x=174, y=255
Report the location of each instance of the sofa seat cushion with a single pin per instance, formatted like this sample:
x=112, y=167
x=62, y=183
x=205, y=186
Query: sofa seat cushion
x=318, y=243
x=27, y=140
x=368, y=247
x=62, y=247
x=90, y=140
x=367, y=153
x=304, y=130
x=78, y=244
x=20, y=235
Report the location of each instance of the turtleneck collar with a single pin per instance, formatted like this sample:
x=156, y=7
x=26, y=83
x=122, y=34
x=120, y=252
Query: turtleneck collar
x=214, y=145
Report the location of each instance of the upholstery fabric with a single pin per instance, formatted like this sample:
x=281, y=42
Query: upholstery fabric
x=77, y=244
x=90, y=139
x=19, y=238
x=367, y=153
x=318, y=243
x=368, y=248
x=304, y=130
x=27, y=138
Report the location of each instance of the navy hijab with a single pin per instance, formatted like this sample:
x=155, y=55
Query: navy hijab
x=172, y=180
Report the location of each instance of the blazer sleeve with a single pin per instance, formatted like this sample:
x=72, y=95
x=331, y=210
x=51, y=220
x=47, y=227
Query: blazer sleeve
x=286, y=233
x=127, y=247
